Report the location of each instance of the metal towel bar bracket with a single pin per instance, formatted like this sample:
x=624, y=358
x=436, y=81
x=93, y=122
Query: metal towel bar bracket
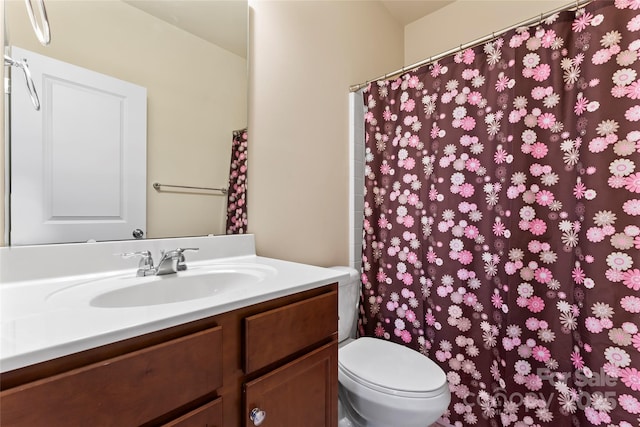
x=27, y=76
x=158, y=186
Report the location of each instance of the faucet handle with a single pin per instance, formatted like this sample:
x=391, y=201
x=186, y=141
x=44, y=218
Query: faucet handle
x=187, y=249
x=145, y=266
x=180, y=252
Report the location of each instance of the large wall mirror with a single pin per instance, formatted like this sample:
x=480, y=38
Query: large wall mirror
x=191, y=56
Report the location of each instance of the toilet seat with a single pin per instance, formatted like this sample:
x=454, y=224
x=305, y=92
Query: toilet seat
x=391, y=368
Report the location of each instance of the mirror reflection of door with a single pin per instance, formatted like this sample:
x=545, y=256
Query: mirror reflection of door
x=191, y=58
x=79, y=164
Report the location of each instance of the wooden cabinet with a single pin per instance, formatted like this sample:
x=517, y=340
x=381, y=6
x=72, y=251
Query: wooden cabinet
x=135, y=387
x=301, y=392
x=280, y=356
x=208, y=415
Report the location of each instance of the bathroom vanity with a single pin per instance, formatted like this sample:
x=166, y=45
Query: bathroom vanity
x=264, y=356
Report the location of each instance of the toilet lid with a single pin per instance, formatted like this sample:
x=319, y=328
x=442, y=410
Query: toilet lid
x=391, y=368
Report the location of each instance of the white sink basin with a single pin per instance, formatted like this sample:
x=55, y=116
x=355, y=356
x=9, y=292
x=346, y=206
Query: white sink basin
x=196, y=283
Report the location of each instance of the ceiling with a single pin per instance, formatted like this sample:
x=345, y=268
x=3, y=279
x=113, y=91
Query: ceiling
x=407, y=11
x=224, y=22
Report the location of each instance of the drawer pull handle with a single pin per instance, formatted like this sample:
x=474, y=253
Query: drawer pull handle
x=257, y=415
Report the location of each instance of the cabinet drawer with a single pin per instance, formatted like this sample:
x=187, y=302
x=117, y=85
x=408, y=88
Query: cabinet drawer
x=209, y=415
x=126, y=390
x=278, y=333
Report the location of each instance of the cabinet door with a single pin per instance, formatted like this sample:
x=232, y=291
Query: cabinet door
x=301, y=393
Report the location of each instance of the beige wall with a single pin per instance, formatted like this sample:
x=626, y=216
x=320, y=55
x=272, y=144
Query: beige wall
x=197, y=95
x=303, y=57
x=464, y=21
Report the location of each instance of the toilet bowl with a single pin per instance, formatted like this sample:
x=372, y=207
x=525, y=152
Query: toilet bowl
x=383, y=384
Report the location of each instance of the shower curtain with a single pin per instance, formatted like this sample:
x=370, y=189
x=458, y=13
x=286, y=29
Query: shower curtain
x=502, y=221
x=237, y=191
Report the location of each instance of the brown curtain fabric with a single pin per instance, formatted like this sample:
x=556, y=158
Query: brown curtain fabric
x=237, y=192
x=502, y=228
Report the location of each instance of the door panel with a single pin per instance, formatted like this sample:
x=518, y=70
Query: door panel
x=78, y=166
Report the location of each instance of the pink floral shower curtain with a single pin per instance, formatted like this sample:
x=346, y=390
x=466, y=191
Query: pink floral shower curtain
x=237, y=191
x=502, y=221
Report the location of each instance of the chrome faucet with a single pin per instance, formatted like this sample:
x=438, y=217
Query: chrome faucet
x=170, y=263
x=145, y=266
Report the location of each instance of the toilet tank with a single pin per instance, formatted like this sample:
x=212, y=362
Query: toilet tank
x=348, y=300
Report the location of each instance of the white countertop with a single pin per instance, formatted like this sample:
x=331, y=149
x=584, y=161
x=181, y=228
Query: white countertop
x=36, y=327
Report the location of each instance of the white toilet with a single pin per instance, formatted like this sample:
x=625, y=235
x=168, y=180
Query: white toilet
x=383, y=384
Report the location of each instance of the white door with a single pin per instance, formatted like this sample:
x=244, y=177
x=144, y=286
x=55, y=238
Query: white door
x=78, y=166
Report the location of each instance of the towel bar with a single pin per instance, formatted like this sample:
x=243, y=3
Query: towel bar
x=158, y=186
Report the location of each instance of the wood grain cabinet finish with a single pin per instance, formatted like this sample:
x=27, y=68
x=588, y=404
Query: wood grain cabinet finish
x=300, y=393
x=283, y=352
x=208, y=415
x=128, y=390
x=277, y=333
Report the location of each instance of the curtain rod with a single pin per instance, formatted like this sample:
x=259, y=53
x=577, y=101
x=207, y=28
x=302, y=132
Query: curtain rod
x=537, y=19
